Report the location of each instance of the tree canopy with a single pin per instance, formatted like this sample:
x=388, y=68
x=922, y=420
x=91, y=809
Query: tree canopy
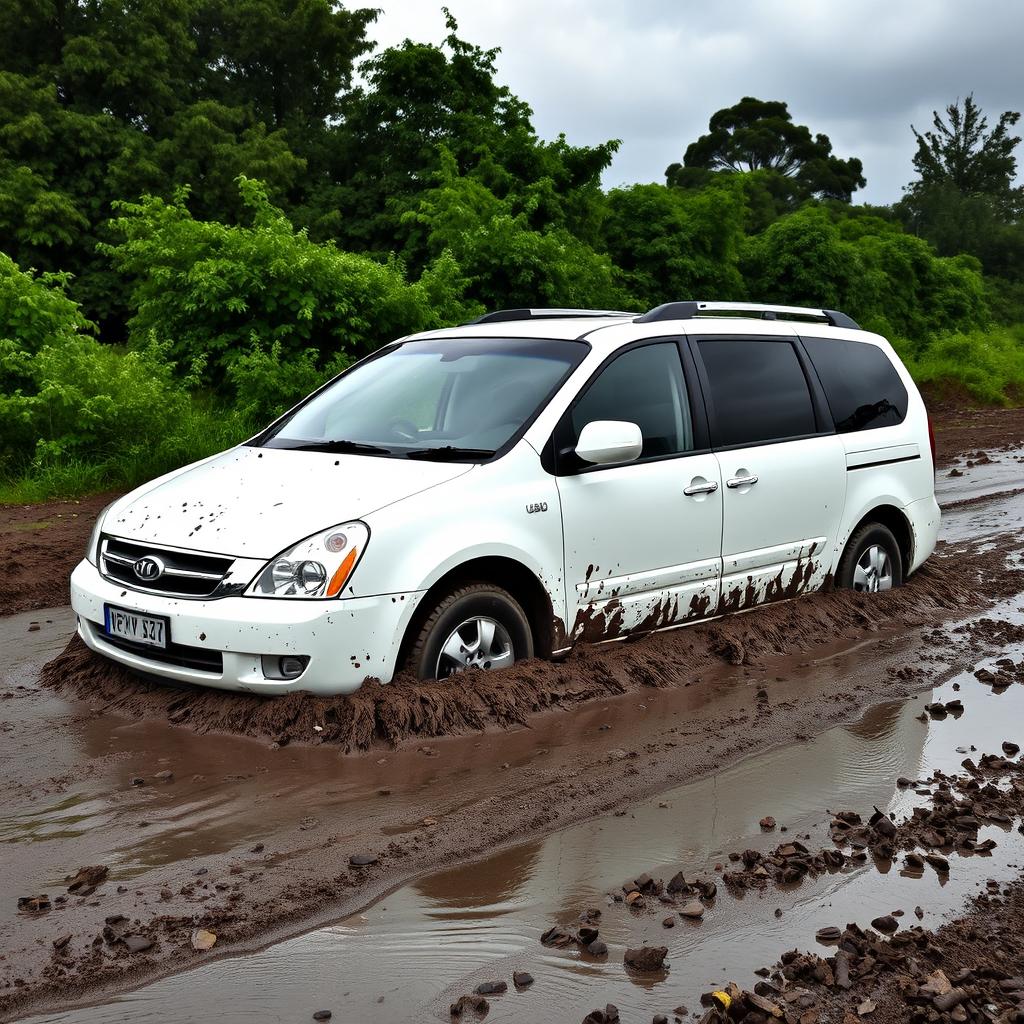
x=760, y=135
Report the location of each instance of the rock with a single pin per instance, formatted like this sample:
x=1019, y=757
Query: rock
x=677, y=883
x=587, y=934
x=609, y=1015
x=1010, y=749
x=137, y=943
x=522, y=979
x=634, y=899
x=694, y=910
x=597, y=948
x=322, y=1015
x=668, y=922
x=203, y=940
x=164, y=776
x=85, y=880
x=646, y=958
x=767, y=823
x=362, y=860
x=829, y=934
x=866, y=1007
x=886, y=925
x=659, y=1018
x=882, y=824
x=258, y=848
x=557, y=936
x=939, y=863
x=476, y=1004
x=34, y=904
x=62, y=942
x=491, y=988
x=137, y=780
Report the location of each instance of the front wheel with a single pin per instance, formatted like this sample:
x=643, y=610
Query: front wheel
x=872, y=561
x=475, y=626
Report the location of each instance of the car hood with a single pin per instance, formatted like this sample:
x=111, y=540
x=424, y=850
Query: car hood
x=255, y=502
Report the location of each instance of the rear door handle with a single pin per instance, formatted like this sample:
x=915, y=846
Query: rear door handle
x=741, y=481
x=709, y=487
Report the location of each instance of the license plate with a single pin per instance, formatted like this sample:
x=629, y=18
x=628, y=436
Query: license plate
x=142, y=629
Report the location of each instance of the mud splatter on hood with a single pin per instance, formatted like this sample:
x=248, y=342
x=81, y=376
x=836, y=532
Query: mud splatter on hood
x=254, y=502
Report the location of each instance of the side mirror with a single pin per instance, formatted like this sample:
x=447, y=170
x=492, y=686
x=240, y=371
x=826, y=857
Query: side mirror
x=610, y=442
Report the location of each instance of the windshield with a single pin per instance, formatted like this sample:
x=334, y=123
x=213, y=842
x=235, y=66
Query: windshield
x=454, y=399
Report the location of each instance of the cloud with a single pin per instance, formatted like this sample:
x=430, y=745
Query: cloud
x=651, y=72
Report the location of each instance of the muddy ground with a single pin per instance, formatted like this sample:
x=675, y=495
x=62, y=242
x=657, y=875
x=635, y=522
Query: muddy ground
x=252, y=819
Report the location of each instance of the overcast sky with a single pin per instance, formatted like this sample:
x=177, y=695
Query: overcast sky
x=650, y=72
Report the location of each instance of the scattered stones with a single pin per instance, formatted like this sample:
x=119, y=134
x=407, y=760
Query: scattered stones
x=522, y=979
x=767, y=823
x=609, y=1015
x=322, y=1015
x=887, y=924
x=646, y=958
x=85, y=881
x=34, y=904
x=472, y=1004
x=362, y=860
x=137, y=943
x=694, y=910
x=203, y=940
x=491, y=988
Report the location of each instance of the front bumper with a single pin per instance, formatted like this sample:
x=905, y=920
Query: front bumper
x=346, y=641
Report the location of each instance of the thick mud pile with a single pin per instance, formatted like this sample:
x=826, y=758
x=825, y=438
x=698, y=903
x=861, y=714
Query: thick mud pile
x=387, y=714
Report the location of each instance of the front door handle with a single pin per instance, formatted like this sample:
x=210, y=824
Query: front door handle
x=741, y=481
x=708, y=487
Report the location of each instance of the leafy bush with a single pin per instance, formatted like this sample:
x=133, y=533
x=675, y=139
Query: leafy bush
x=988, y=364
x=888, y=280
x=267, y=385
x=213, y=289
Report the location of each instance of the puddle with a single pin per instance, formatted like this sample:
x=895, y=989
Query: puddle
x=413, y=952
x=1005, y=472
x=24, y=646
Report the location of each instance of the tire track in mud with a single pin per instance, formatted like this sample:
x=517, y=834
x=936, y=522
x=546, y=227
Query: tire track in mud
x=956, y=580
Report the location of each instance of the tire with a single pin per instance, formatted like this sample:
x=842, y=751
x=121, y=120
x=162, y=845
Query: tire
x=872, y=560
x=477, y=612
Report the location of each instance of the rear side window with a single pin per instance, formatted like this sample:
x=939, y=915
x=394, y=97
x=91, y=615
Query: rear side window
x=758, y=391
x=862, y=386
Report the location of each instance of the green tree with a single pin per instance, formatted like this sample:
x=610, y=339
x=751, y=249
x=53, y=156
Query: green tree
x=669, y=244
x=213, y=290
x=962, y=153
x=760, y=135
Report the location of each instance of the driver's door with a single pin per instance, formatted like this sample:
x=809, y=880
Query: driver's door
x=643, y=539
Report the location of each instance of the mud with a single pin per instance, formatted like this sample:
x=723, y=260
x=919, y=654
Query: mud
x=251, y=823
x=407, y=708
x=419, y=950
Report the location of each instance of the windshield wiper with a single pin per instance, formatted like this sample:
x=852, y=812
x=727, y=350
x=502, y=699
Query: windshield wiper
x=450, y=453
x=341, y=447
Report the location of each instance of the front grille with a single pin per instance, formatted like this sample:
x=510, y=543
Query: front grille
x=182, y=573
x=173, y=654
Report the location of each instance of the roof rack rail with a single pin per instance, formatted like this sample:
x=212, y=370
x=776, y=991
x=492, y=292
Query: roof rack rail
x=501, y=316
x=691, y=310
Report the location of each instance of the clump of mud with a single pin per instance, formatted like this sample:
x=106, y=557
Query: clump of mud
x=408, y=707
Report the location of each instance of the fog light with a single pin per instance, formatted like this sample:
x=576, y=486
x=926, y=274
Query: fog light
x=287, y=666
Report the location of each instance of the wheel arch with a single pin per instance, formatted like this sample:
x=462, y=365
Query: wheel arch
x=895, y=519
x=500, y=570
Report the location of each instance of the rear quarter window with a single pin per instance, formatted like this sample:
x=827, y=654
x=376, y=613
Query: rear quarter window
x=863, y=389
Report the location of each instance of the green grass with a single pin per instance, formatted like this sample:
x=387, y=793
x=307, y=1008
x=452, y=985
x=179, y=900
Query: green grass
x=204, y=431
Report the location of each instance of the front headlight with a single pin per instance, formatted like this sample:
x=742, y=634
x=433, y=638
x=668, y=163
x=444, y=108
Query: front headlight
x=91, y=555
x=318, y=566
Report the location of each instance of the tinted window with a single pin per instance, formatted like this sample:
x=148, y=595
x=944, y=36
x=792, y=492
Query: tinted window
x=758, y=391
x=643, y=386
x=862, y=387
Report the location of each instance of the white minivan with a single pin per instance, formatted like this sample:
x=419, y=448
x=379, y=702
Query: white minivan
x=467, y=497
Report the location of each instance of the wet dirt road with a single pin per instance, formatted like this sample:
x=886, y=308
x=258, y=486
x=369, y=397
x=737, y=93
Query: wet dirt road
x=71, y=802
